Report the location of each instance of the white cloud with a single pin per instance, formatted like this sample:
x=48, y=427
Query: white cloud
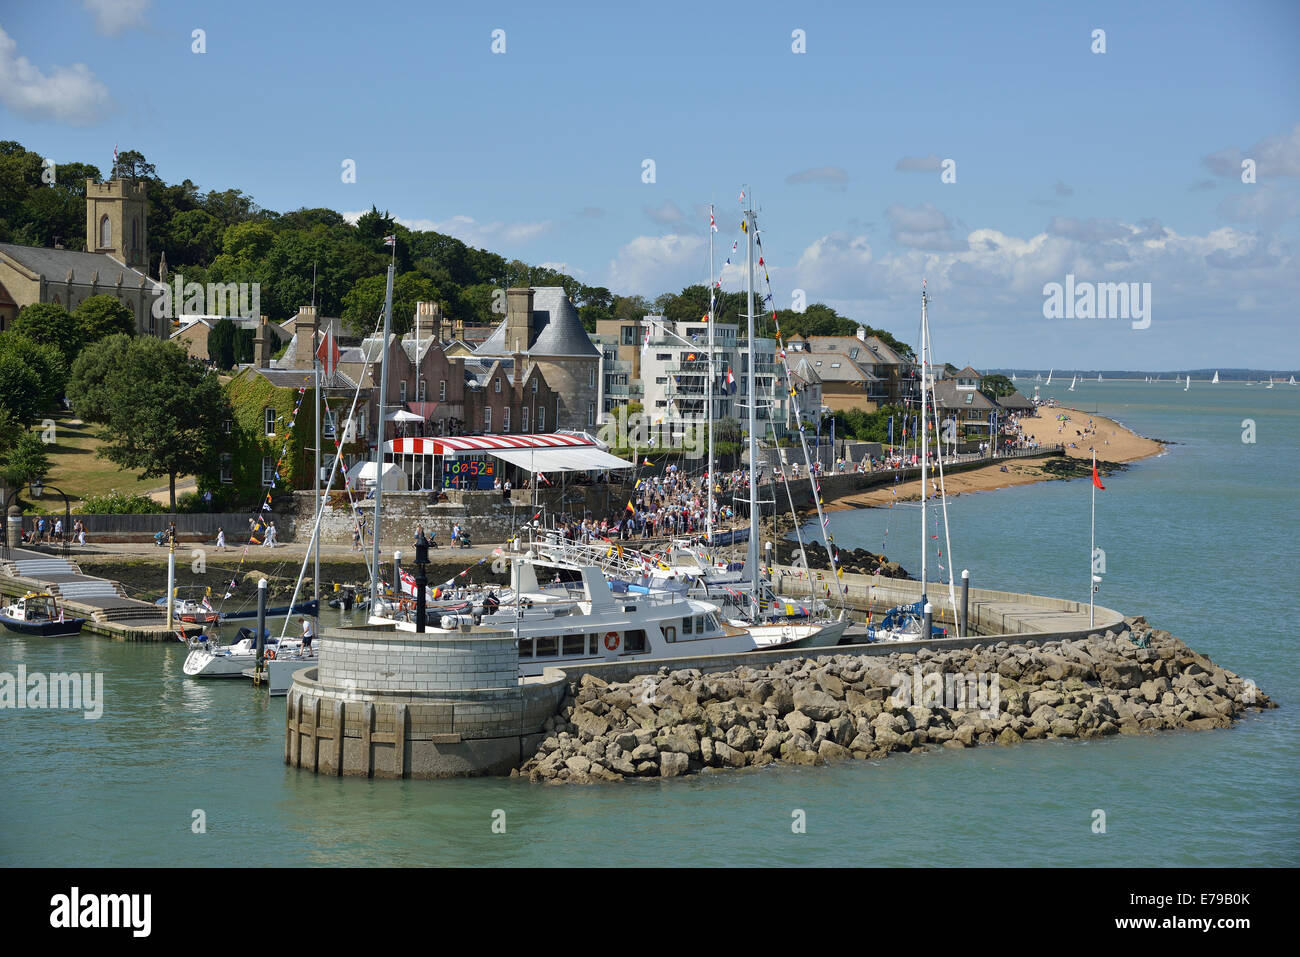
x=666, y=215
x=1276, y=155
x=114, y=16
x=922, y=227
x=69, y=94
x=832, y=177
x=470, y=231
x=650, y=265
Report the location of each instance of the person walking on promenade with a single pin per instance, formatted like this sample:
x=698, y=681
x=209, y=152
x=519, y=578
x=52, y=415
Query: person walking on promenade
x=221, y=538
x=308, y=635
x=270, y=541
x=356, y=536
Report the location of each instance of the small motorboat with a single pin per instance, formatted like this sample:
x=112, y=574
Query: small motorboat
x=39, y=613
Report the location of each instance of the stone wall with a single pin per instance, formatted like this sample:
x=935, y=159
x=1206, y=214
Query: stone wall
x=389, y=703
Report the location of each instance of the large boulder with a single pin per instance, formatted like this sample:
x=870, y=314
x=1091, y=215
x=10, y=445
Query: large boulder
x=672, y=764
x=817, y=705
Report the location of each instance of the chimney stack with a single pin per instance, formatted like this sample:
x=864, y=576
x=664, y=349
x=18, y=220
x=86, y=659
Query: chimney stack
x=304, y=325
x=862, y=333
x=428, y=320
x=519, y=319
x=262, y=344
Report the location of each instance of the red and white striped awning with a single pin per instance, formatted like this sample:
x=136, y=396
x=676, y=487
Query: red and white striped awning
x=451, y=444
x=549, y=452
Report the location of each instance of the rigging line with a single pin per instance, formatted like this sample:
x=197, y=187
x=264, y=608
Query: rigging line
x=803, y=437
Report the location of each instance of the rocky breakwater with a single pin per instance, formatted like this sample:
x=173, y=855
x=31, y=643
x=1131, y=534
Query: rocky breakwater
x=865, y=706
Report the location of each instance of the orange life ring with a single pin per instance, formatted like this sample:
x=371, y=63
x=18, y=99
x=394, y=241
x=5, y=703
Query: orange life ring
x=611, y=640
x=270, y=654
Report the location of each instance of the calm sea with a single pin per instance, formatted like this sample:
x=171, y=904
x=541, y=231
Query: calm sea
x=1201, y=540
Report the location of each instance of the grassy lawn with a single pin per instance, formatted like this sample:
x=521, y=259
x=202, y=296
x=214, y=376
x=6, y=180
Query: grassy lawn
x=78, y=471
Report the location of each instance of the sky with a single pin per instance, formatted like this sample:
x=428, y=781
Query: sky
x=990, y=149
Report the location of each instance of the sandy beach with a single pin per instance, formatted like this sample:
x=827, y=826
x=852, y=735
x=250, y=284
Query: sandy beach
x=1114, y=443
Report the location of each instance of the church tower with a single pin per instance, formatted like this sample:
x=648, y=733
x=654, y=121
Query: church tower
x=117, y=214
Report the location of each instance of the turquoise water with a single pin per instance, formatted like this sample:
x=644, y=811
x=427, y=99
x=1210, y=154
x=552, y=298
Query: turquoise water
x=1201, y=540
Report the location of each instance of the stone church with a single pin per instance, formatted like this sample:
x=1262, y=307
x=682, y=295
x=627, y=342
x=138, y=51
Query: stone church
x=115, y=262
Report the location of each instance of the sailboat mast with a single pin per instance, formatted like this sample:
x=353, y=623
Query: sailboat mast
x=751, y=554
x=708, y=515
x=1092, y=547
x=379, y=445
x=315, y=371
x=925, y=430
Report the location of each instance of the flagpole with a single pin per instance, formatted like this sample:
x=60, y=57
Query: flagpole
x=708, y=519
x=316, y=378
x=1092, y=549
x=379, y=445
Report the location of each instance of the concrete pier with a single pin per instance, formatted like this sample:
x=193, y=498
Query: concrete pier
x=394, y=704
x=103, y=603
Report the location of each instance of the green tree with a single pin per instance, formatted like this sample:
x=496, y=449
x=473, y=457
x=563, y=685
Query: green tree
x=88, y=383
x=100, y=316
x=51, y=324
x=364, y=303
x=165, y=413
x=19, y=388
x=33, y=376
x=22, y=453
x=997, y=387
x=221, y=344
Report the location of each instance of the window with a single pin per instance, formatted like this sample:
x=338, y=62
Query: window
x=525, y=647
x=853, y=353
x=574, y=645
x=664, y=356
x=487, y=418
x=970, y=398
x=548, y=647
x=701, y=624
x=670, y=633
x=268, y=471
x=105, y=233
x=442, y=390
x=227, y=426
x=498, y=384
x=534, y=387
x=505, y=420
x=268, y=418
x=227, y=468
x=523, y=420
x=591, y=378
x=633, y=641
x=686, y=625
x=541, y=420
x=628, y=335
x=403, y=391
x=661, y=380
x=591, y=413
x=424, y=387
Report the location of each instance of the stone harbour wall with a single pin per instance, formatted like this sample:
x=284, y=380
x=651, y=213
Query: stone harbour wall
x=384, y=703
x=1129, y=680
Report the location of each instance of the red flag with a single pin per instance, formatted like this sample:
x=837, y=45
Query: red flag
x=328, y=353
x=1095, y=480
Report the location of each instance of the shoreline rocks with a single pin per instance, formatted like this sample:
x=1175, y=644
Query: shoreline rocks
x=833, y=708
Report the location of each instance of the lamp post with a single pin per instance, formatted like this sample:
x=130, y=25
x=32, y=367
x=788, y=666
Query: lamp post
x=421, y=577
x=37, y=487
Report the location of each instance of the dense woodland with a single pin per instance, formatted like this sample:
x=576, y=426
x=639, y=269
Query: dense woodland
x=224, y=236
x=139, y=391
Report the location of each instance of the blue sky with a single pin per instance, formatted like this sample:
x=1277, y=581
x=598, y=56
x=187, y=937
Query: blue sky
x=1121, y=166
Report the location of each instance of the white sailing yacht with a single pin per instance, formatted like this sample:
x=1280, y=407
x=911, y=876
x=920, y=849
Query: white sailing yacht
x=1098, y=376
x=1270, y=383
x=1073, y=382
x=906, y=622
x=1292, y=382
x=1189, y=384
x=1049, y=377
x=1215, y=380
